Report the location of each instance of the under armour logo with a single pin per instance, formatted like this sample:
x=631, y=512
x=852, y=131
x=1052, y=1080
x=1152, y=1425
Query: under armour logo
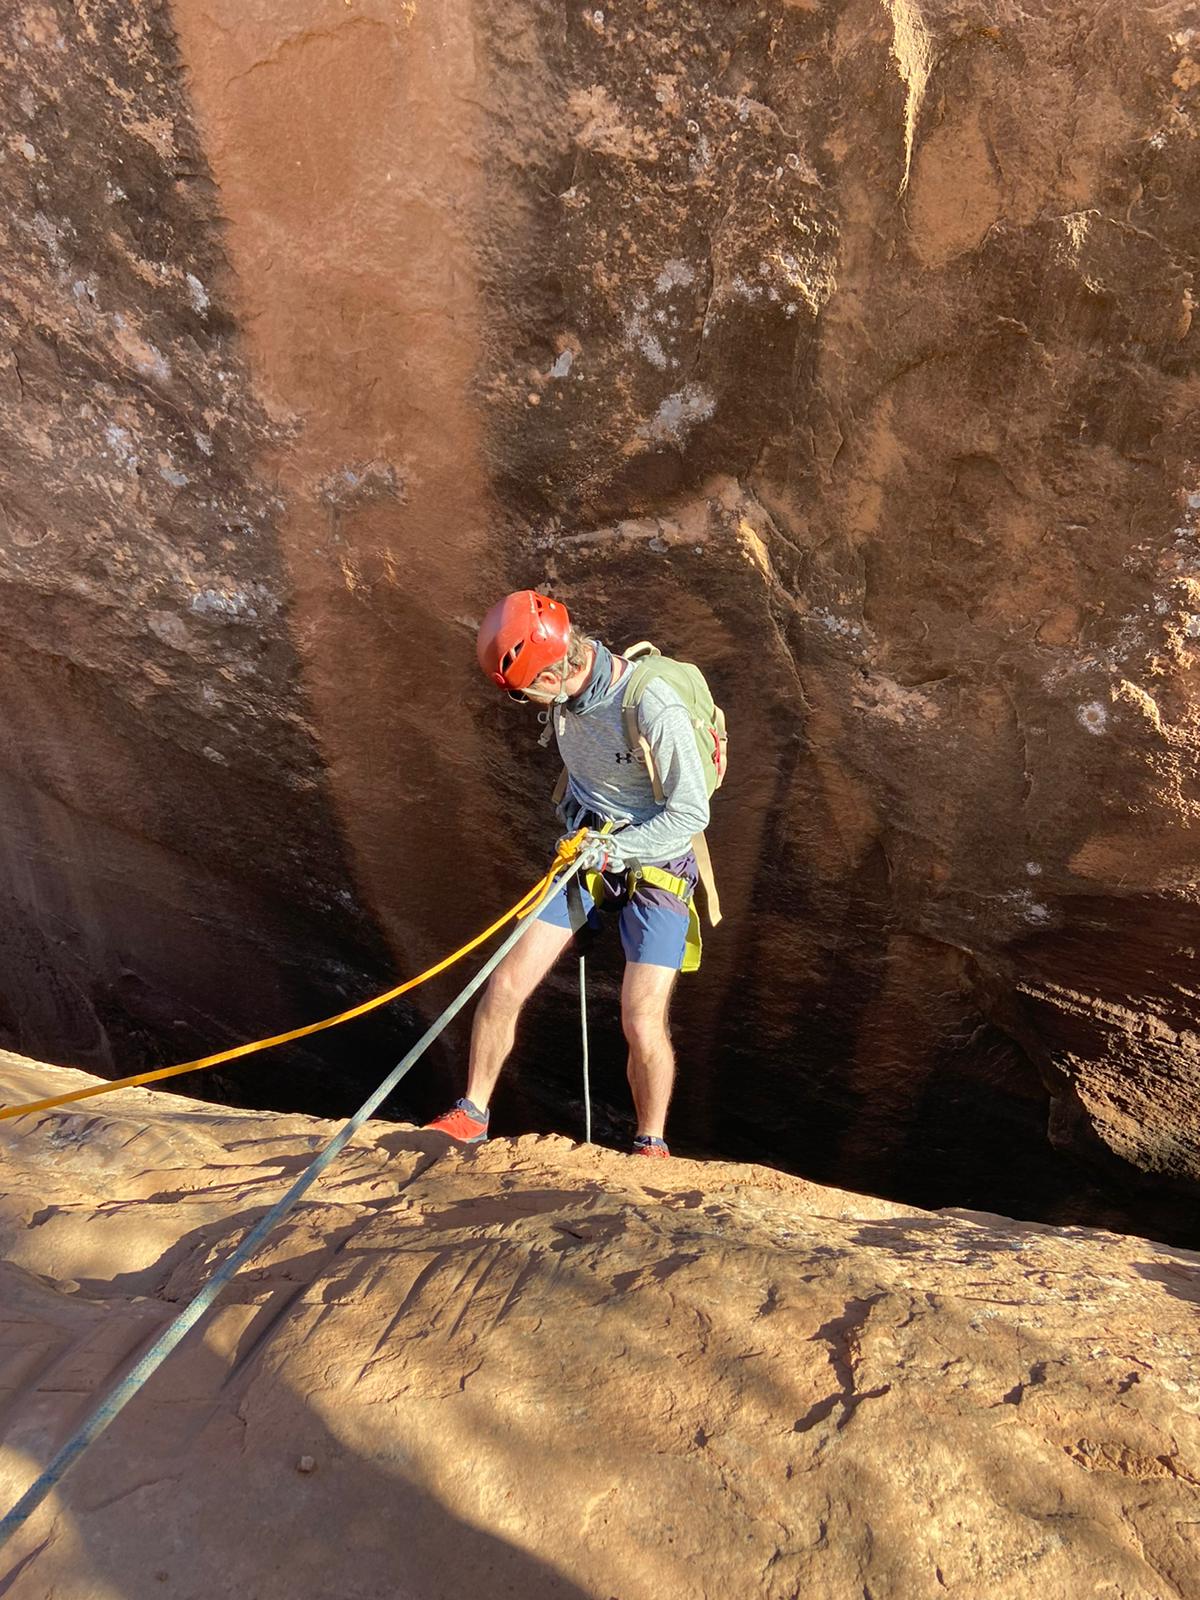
x=624, y=755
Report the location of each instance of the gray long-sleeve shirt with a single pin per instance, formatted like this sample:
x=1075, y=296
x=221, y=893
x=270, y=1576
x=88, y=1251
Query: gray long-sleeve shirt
x=606, y=777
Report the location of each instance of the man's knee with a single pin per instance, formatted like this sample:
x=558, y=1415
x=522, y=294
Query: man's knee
x=510, y=986
x=644, y=1024
x=505, y=994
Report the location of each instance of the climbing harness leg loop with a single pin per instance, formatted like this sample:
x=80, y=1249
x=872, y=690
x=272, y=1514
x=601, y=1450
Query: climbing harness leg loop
x=660, y=878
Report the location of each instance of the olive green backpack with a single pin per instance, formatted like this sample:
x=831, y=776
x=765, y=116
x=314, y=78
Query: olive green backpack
x=708, y=726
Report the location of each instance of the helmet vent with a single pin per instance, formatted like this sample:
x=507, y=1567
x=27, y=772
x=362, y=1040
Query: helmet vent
x=511, y=656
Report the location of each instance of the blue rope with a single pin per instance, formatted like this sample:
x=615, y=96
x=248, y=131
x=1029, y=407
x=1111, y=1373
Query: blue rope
x=191, y=1314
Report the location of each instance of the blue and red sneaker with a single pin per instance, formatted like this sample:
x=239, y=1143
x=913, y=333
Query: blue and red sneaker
x=645, y=1144
x=464, y=1122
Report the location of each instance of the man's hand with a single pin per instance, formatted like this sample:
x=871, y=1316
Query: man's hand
x=598, y=854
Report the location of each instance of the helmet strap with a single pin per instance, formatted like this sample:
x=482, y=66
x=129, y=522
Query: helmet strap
x=559, y=699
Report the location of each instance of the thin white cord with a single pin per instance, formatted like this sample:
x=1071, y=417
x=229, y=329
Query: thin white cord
x=587, y=1090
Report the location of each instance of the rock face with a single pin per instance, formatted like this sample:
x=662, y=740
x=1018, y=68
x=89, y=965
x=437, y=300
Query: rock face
x=550, y=1370
x=159, y=772
x=845, y=346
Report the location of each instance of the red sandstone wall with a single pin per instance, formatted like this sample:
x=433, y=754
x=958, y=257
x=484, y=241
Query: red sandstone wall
x=847, y=346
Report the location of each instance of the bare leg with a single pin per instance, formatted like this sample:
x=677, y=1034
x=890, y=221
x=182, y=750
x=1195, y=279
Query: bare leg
x=495, y=1024
x=645, y=1000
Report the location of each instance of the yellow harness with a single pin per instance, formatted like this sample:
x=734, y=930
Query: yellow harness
x=658, y=878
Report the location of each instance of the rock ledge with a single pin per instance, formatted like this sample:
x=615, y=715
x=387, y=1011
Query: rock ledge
x=547, y=1370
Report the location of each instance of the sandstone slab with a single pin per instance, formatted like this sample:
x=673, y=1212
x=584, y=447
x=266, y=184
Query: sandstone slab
x=542, y=1369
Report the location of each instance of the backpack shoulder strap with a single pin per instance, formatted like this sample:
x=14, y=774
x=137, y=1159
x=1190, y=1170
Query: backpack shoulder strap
x=639, y=675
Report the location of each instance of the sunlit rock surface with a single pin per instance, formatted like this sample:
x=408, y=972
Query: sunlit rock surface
x=543, y=1369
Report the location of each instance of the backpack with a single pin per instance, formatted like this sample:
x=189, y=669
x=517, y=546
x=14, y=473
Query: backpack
x=708, y=720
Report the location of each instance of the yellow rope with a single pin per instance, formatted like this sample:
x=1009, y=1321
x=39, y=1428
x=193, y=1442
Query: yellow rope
x=524, y=907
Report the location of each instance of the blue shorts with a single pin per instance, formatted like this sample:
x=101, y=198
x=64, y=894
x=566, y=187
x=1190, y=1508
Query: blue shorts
x=653, y=923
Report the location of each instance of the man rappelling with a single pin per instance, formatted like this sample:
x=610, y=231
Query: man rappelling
x=643, y=747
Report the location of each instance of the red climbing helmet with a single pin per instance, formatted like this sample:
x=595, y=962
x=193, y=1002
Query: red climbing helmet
x=522, y=635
